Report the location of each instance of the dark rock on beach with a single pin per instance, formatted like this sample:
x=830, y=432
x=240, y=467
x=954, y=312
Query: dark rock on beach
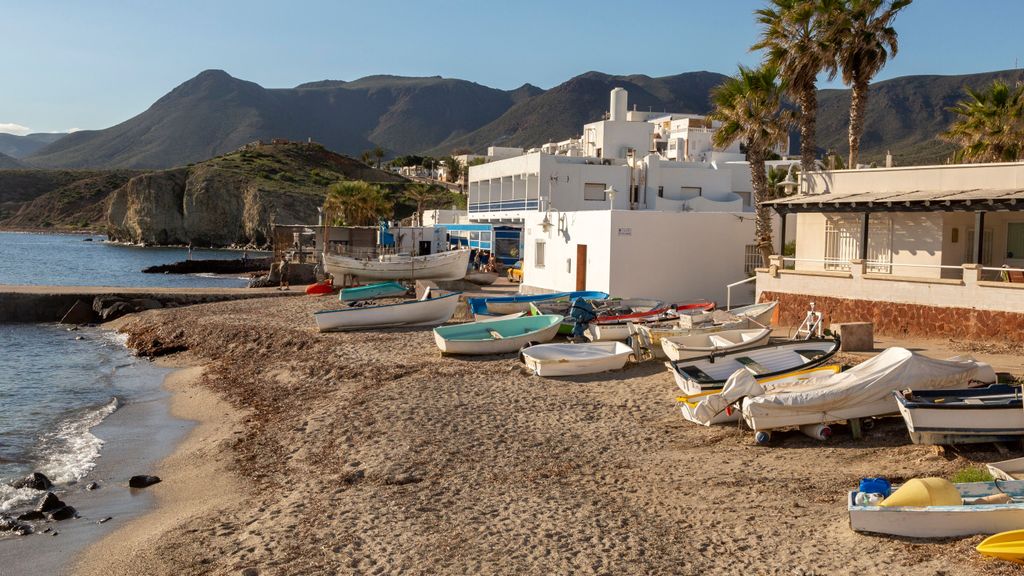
x=63, y=513
x=143, y=481
x=92, y=486
x=8, y=524
x=35, y=481
x=33, y=515
x=49, y=502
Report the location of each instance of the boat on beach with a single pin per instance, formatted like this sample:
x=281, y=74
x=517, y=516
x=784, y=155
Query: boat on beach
x=990, y=414
x=972, y=516
x=427, y=311
x=450, y=265
x=496, y=336
x=860, y=392
x=576, y=359
x=1007, y=546
x=760, y=313
x=371, y=291
x=653, y=333
x=1007, y=469
x=726, y=341
x=615, y=316
x=499, y=305
x=711, y=372
x=716, y=407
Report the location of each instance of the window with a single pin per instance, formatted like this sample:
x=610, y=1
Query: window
x=594, y=191
x=1015, y=240
x=986, y=247
x=842, y=241
x=661, y=191
x=538, y=259
x=751, y=259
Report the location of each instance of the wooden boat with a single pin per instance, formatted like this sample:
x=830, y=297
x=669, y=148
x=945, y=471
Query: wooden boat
x=1005, y=546
x=860, y=392
x=449, y=265
x=1007, y=469
x=710, y=373
x=760, y=313
x=990, y=414
x=496, y=336
x=725, y=341
x=498, y=305
x=371, y=291
x=573, y=359
x=427, y=311
x=481, y=278
x=968, y=519
x=709, y=408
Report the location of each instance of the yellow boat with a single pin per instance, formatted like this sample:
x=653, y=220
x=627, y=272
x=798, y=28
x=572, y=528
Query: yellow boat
x=1005, y=546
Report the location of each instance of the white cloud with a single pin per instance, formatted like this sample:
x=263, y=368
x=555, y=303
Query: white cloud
x=12, y=128
x=70, y=130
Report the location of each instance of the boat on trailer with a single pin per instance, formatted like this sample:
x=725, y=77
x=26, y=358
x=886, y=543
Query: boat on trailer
x=970, y=518
x=723, y=342
x=991, y=414
x=698, y=375
x=496, y=336
x=450, y=265
x=427, y=311
x=860, y=392
x=576, y=359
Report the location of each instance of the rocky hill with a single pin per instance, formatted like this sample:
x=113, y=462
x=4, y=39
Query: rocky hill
x=234, y=198
x=7, y=162
x=20, y=146
x=57, y=199
x=214, y=113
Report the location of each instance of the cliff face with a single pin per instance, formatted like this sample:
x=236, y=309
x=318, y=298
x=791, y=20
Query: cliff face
x=205, y=206
x=232, y=199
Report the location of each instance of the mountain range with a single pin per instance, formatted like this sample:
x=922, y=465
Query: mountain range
x=214, y=113
x=17, y=146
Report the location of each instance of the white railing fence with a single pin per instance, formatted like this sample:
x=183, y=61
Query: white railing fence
x=729, y=287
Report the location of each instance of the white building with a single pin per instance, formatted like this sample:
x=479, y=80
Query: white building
x=655, y=174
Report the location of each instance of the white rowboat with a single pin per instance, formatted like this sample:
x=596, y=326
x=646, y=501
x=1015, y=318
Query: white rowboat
x=697, y=345
x=760, y=313
x=698, y=375
x=424, y=312
x=990, y=414
x=496, y=336
x=573, y=359
x=449, y=265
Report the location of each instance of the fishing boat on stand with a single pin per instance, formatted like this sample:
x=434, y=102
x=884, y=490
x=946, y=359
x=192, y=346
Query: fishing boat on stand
x=450, y=265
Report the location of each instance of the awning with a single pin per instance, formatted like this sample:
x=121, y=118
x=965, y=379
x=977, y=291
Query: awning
x=902, y=201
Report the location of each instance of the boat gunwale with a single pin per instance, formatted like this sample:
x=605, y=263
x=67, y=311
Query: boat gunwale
x=962, y=393
x=758, y=377
x=495, y=321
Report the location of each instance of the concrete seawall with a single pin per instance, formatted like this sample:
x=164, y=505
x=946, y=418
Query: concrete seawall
x=50, y=303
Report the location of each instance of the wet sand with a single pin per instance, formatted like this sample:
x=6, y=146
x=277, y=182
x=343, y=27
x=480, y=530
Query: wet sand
x=368, y=453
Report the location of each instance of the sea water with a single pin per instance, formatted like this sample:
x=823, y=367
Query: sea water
x=56, y=385
x=69, y=260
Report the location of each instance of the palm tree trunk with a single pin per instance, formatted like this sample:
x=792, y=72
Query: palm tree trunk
x=808, y=101
x=858, y=107
x=762, y=213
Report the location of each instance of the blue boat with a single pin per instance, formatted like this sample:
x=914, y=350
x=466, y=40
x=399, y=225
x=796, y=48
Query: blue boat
x=371, y=291
x=499, y=305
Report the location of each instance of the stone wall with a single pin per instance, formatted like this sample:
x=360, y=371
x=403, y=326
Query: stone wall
x=898, y=319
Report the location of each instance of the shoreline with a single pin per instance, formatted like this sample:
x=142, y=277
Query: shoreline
x=195, y=481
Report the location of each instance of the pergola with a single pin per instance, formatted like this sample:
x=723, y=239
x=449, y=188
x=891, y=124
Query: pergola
x=978, y=201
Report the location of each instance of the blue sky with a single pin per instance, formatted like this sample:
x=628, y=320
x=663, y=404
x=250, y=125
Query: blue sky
x=93, y=63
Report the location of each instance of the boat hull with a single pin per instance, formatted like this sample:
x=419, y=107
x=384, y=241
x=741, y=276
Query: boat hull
x=943, y=521
x=696, y=346
x=413, y=313
x=949, y=423
x=473, y=338
x=370, y=291
x=760, y=313
x=576, y=359
x=450, y=265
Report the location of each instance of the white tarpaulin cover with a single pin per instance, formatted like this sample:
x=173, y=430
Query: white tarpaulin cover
x=862, y=391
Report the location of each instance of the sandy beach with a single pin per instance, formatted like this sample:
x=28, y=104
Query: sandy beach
x=368, y=453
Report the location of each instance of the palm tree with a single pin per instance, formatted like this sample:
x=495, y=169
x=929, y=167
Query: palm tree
x=356, y=203
x=454, y=168
x=424, y=195
x=989, y=125
x=366, y=157
x=864, y=39
x=378, y=153
x=795, y=36
x=749, y=106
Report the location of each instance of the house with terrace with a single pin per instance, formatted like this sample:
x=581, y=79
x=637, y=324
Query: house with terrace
x=927, y=250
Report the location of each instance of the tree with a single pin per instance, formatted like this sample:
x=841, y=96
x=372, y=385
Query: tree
x=865, y=40
x=366, y=157
x=454, y=168
x=989, y=125
x=749, y=106
x=795, y=36
x=378, y=154
x=356, y=203
x=426, y=196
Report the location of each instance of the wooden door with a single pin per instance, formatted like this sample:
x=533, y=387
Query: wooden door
x=581, y=267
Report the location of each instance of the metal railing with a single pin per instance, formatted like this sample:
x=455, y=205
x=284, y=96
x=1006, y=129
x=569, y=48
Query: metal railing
x=729, y=287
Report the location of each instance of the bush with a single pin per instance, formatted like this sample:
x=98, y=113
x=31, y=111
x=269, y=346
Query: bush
x=971, y=474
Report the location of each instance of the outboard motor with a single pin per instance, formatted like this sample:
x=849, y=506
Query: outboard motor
x=582, y=311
